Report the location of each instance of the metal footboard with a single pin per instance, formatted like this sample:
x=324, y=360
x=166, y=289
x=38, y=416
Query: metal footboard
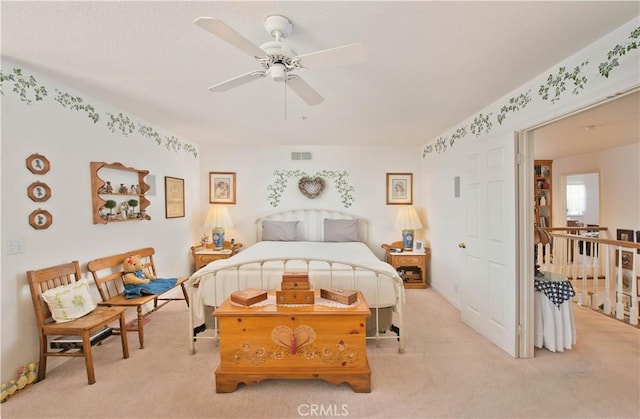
x=266, y=274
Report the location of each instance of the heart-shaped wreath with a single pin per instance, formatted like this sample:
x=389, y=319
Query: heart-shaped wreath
x=311, y=187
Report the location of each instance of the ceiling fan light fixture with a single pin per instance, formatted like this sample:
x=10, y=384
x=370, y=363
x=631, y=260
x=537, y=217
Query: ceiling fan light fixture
x=278, y=59
x=278, y=72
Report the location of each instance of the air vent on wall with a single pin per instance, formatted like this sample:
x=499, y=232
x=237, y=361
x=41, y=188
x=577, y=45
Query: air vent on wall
x=300, y=155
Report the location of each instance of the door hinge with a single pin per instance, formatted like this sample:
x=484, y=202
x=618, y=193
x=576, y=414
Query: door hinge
x=519, y=158
x=519, y=330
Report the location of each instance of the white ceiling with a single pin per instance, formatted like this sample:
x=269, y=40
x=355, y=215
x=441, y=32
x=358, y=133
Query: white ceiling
x=430, y=64
x=612, y=124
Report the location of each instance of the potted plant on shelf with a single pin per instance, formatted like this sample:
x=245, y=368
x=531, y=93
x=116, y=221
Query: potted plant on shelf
x=133, y=203
x=110, y=205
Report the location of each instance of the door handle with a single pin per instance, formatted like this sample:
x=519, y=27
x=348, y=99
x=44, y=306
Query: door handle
x=462, y=245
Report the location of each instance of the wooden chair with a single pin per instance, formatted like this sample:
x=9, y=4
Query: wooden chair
x=53, y=277
x=107, y=273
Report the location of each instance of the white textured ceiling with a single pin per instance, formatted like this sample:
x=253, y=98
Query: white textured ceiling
x=612, y=124
x=430, y=64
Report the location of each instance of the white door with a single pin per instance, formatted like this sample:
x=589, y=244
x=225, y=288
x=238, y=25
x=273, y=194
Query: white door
x=488, y=300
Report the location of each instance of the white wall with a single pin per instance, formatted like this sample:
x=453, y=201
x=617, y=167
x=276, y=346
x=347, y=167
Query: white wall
x=444, y=160
x=619, y=185
x=366, y=167
x=70, y=140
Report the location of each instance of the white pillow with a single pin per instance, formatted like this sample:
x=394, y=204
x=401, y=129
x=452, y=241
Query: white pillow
x=279, y=230
x=69, y=302
x=341, y=230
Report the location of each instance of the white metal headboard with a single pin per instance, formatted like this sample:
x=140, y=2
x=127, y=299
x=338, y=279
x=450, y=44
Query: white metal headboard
x=311, y=226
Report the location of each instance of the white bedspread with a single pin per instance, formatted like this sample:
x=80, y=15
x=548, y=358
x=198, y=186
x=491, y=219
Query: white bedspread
x=371, y=276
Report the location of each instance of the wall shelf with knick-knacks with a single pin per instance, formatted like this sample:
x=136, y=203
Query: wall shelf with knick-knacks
x=542, y=192
x=118, y=193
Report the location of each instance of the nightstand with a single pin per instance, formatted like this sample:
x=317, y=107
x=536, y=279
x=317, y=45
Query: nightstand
x=411, y=266
x=203, y=255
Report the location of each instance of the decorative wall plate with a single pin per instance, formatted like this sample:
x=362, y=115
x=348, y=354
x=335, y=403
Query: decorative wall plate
x=311, y=187
x=40, y=219
x=37, y=164
x=626, y=281
x=39, y=192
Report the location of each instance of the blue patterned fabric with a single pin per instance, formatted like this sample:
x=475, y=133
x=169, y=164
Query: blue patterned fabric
x=557, y=291
x=157, y=286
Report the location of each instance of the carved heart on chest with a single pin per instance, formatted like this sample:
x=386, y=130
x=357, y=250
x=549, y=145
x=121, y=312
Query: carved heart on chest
x=293, y=339
x=311, y=187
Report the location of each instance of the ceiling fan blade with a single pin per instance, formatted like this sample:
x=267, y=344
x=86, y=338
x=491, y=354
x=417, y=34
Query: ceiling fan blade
x=229, y=35
x=344, y=55
x=302, y=89
x=237, y=81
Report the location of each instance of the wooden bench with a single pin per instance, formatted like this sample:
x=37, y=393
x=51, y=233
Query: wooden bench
x=67, y=274
x=107, y=273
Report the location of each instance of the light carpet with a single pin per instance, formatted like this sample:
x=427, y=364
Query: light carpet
x=447, y=371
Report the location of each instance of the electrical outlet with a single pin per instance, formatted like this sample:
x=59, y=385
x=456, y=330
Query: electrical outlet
x=15, y=246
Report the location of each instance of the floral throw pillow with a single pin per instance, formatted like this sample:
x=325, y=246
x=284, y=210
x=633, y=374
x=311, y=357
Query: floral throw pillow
x=69, y=302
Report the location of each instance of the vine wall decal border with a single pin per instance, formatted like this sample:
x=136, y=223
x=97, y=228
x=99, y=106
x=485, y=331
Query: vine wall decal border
x=514, y=105
x=282, y=179
x=22, y=85
x=558, y=83
x=618, y=51
x=77, y=104
x=28, y=90
x=555, y=84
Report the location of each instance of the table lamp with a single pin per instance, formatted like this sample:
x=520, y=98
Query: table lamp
x=218, y=218
x=540, y=236
x=408, y=221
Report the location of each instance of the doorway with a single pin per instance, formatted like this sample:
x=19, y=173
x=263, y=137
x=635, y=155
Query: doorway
x=580, y=132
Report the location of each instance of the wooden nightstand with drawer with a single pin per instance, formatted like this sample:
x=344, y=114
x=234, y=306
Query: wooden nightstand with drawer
x=411, y=266
x=202, y=255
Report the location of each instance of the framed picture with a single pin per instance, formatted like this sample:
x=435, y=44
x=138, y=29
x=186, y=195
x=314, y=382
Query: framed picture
x=40, y=219
x=39, y=192
x=399, y=188
x=638, y=239
x=222, y=187
x=624, y=235
x=627, y=259
x=38, y=164
x=626, y=281
x=173, y=197
x=626, y=303
x=418, y=246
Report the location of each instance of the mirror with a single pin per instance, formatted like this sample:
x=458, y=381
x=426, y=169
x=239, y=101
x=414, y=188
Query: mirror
x=582, y=192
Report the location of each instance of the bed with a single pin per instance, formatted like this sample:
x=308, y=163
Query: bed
x=329, y=245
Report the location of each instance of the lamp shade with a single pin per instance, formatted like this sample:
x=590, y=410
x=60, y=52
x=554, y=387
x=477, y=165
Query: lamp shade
x=218, y=216
x=408, y=219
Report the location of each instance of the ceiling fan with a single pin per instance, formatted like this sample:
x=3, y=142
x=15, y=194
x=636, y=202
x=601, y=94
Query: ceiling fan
x=277, y=59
